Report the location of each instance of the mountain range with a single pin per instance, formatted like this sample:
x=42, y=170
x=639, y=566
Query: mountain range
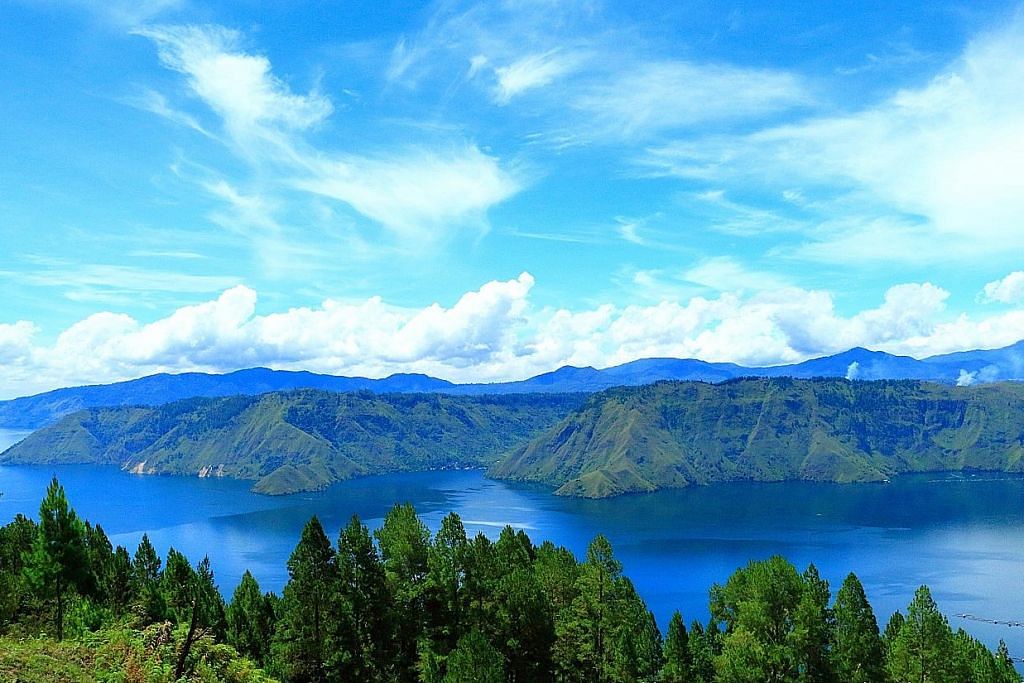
x=966, y=367
x=624, y=440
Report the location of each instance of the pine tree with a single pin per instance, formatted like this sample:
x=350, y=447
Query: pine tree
x=922, y=649
x=1006, y=671
x=365, y=629
x=584, y=629
x=404, y=542
x=250, y=620
x=705, y=645
x=302, y=641
x=146, y=577
x=118, y=584
x=857, y=654
x=16, y=540
x=759, y=606
x=58, y=563
x=522, y=625
x=101, y=556
x=812, y=629
x=446, y=576
x=482, y=575
x=474, y=660
x=678, y=667
x=636, y=646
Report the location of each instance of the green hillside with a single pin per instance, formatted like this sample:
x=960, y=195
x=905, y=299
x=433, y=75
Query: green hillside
x=675, y=434
x=296, y=441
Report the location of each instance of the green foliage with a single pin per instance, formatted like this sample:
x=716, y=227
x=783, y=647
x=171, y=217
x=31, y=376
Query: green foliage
x=303, y=639
x=605, y=634
x=58, y=563
x=16, y=540
x=856, y=653
x=448, y=609
x=922, y=647
x=778, y=624
x=676, y=434
x=365, y=634
x=474, y=660
x=404, y=542
x=678, y=667
x=250, y=620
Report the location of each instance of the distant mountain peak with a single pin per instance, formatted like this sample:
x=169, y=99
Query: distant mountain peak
x=978, y=366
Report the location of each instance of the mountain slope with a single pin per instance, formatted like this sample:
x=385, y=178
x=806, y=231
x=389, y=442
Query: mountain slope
x=31, y=412
x=673, y=434
x=296, y=441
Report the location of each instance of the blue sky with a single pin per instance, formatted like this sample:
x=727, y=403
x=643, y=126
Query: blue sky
x=489, y=190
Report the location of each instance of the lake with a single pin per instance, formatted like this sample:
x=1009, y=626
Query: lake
x=963, y=535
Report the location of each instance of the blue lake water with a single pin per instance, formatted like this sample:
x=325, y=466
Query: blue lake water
x=961, y=535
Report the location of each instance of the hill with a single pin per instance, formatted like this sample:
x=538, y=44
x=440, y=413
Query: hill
x=674, y=434
x=32, y=412
x=296, y=441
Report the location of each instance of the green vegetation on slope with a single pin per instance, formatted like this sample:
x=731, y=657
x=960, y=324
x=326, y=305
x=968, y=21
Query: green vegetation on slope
x=296, y=441
x=404, y=606
x=675, y=434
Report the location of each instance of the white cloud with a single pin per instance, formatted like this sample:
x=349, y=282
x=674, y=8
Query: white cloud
x=256, y=107
x=416, y=193
x=420, y=192
x=493, y=333
x=156, y=103
x=724, y=274
x=929, y=173
x=1008, y=290
x=966, y=379
x=16, y=341
x=657, y=96
x=533, y=71
x=116, y=284
x=853, y=370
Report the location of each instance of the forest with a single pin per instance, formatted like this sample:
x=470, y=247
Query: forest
x=402, y=605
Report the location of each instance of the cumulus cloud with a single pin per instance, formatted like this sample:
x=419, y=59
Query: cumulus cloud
x=1008, y=290
x=16, y=341
x=489, y=334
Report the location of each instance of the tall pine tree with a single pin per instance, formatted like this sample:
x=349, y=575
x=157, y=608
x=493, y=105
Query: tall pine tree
x=302, y=643
x=58, y=563
x=856, y=653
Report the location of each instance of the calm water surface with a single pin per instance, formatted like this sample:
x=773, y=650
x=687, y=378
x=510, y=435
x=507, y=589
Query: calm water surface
x=961, y=535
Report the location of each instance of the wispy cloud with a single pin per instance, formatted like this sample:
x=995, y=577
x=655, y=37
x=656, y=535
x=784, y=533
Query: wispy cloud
x=933, y=173
x=114, y=284
x=155, y=103
x=533, y=71
x=417, y=193
x=668, y=95
x=420, y=193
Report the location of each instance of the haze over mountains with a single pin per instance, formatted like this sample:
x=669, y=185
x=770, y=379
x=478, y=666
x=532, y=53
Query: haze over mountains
x=966, y=367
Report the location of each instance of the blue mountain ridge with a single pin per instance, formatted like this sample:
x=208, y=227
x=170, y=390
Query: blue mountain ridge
x=31, y=412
